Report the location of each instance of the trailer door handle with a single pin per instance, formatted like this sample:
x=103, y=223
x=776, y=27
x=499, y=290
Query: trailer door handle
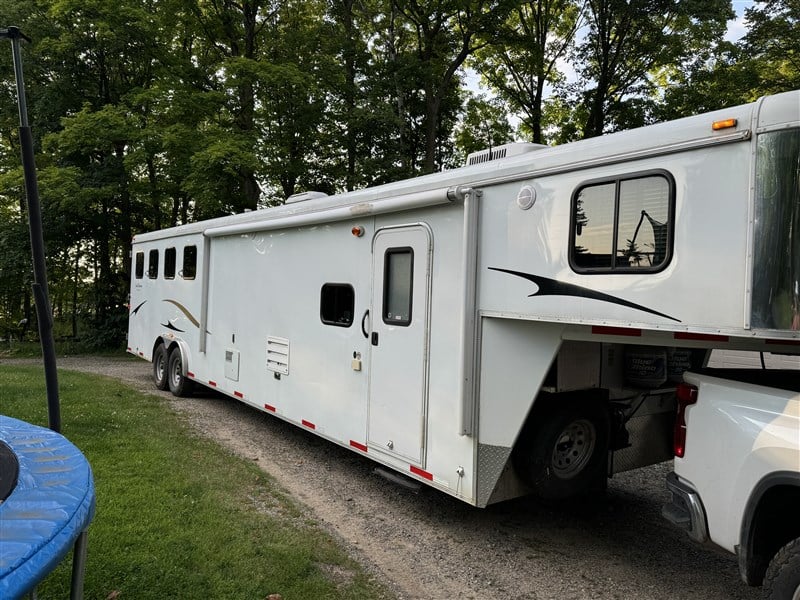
x=363, y=323
x=374, y=338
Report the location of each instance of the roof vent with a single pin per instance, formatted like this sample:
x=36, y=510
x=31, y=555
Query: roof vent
x=504, y=151
x=303, y=196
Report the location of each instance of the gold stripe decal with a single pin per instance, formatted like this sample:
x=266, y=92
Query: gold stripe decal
x=182, y=308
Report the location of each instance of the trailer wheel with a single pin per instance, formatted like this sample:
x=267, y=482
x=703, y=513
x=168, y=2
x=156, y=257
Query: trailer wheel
x=179, y=385
x=160, y=367
x=782, y=580
x=563, y=451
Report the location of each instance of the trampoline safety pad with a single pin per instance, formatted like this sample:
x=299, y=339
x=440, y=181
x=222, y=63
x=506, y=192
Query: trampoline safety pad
x=48, y=507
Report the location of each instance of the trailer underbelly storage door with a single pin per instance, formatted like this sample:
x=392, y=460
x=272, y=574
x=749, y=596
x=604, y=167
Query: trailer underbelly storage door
x=399, y=340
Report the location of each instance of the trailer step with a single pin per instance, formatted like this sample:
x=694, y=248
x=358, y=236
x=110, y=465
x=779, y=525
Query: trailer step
x=399, y=479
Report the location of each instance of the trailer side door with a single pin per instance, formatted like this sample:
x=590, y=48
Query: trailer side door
x=401, y=270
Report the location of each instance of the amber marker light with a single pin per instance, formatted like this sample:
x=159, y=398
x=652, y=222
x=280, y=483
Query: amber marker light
x=724, y=124
x=357, y=230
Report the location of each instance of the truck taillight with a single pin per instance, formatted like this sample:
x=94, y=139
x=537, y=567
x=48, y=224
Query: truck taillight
x=687, y=394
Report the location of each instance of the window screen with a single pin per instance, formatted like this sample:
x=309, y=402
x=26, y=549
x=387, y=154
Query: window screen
x=152, y=264
x=398, y=274
x=337, y=302
x=189, y=262
x=139, y=265
x=169, y=263
x=623, y=225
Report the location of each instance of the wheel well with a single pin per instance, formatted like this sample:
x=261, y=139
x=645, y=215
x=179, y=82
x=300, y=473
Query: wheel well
x=155, y=345
x=773, y=525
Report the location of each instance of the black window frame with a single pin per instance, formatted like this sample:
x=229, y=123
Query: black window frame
x=152, y=265
x=617, y=180
x=386, y=255
x=194, y=261
x=326, y=300
x=138, y=268
x=170, y=259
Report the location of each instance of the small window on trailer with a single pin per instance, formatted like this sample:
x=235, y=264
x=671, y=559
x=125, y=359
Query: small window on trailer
x=169, y=263
x=152, y=264
x=623, y=224
x=189, y=262
x=139, y=269
x=337, y=303
x=398, y=277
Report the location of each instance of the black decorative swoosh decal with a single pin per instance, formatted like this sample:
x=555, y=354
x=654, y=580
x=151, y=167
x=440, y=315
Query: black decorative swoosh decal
x=136, y=310
x=551, y=287
x=169, y=325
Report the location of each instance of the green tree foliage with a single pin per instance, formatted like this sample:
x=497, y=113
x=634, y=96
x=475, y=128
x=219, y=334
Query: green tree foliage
x=152, y=113
x=521, y=57
x=484, y=126
x=627, y=43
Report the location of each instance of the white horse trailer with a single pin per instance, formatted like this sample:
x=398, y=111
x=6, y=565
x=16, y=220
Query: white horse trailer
x=513, y=326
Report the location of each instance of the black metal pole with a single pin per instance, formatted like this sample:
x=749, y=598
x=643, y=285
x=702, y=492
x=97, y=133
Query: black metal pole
x=40, y=292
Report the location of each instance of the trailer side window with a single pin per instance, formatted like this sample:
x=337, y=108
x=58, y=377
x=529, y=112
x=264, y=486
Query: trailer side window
x=139, y=265
x=398, y=273
x=189, y=262
x=623, y=225
x=169, y=263
x=152, y=264
x=337, y=303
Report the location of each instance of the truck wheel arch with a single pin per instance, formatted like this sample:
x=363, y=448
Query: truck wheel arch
x=765, y=528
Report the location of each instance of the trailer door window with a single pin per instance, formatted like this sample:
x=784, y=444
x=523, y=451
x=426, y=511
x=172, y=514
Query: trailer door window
x=398, y=273
x=337, y=302
x=152, y=264
x=169, y=263
x=139, y=265
x=623, y=225
x=189, y=262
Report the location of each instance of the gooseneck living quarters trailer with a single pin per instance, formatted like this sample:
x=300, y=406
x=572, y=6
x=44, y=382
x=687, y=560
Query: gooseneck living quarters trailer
x=513, y=326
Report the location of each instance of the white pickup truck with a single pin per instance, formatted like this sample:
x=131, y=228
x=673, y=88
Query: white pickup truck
x=736, y=481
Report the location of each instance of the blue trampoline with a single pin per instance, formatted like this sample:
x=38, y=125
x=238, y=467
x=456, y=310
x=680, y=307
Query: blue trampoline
x=47, y=501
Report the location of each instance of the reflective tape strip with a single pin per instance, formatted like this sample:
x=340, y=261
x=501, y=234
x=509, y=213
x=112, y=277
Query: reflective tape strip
x=626, y=331
x=358, y=446
x=269, y=408
x=421, y=473
x=212, y=383
x=308, y=424
x=238, y=394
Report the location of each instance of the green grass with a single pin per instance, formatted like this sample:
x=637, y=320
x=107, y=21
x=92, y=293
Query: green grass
x=177, y=515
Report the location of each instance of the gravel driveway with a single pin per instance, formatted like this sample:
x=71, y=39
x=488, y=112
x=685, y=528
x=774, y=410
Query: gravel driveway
x=428, y=545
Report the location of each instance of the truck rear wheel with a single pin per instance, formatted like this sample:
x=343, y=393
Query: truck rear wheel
x=563, y=451
x=782, y=580
x=178, y=384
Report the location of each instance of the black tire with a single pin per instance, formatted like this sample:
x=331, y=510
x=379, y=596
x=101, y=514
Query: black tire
x=563, y=451
x=179, y=385
x=160, y=367
x=782, y=580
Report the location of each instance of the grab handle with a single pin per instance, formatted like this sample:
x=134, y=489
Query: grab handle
x=363, y=322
